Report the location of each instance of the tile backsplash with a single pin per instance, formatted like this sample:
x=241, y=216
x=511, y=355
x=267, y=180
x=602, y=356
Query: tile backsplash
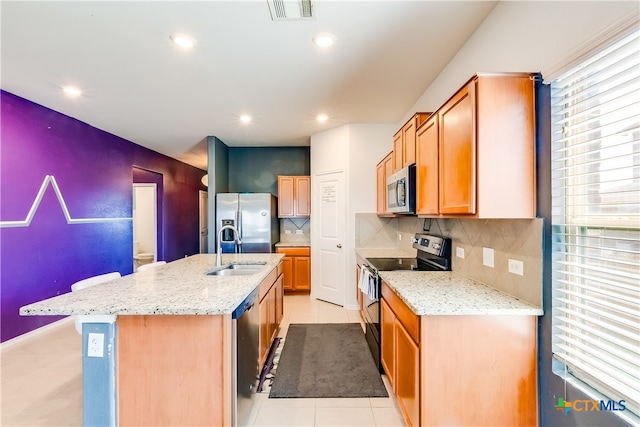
x=295, y=230
x=517, y=239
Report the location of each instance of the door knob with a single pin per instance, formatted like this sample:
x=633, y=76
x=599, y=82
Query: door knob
x=339, y=245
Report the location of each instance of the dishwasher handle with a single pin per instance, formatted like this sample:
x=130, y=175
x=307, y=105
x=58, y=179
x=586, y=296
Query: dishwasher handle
x=245, y=305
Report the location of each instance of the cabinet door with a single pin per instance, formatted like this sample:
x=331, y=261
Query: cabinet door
x=264, y=328
x=301, y=273
x=279, y=301
x=427, y=168
x=287, y=273
x=273, y=326
x=387, y=341
x=458, y=153
x=302, y=197
x=285, y=196
x=409, y=142
x=358, y=291
x=407, y=379
x=398, y=152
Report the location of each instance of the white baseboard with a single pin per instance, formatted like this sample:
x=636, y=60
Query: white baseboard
x=36, y=332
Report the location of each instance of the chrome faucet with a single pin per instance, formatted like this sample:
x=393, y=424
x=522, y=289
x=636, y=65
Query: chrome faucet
x=219, y=251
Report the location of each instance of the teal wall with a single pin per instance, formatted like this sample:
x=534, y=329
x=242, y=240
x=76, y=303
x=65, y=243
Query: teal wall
x=256, y=169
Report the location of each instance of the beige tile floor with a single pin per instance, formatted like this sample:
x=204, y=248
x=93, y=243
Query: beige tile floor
x=41, y=381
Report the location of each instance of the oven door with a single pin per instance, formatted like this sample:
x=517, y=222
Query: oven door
x=372, y=320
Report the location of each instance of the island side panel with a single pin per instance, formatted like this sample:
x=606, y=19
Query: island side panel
x=479, y=370
x=174, y=370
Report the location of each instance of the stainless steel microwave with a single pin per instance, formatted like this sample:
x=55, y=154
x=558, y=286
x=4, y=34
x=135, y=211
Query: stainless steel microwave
x=401, y=191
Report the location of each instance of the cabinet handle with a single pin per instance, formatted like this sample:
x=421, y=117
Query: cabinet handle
x=339, y=245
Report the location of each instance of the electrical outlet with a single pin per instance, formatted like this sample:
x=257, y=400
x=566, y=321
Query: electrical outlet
x=487, y=257
x=299, y=232
x=399, y=236
x=287, y=231
x=459, y=252
x=95, y=345
x=516, y=267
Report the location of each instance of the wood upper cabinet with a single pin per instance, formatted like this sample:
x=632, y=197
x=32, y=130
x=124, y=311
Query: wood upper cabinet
x=296, y=268
x=404, y=142
x=485, y=136
x=294, y=196
x=458, y=153
x=427, y=170
x=398, y=151
x=383, y=170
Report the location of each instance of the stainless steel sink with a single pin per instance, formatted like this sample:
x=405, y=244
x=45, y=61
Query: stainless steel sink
x=237, y=269
x=233, y=272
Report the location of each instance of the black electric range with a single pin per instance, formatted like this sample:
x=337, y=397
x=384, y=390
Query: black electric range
x=433, y=254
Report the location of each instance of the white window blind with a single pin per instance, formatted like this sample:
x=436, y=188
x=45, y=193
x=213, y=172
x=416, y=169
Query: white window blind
x=596, y=221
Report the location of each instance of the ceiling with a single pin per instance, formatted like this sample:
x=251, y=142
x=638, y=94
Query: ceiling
x=140, y=86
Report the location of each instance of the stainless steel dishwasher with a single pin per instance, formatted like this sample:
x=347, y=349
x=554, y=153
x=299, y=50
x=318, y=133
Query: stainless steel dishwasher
x=246, y=337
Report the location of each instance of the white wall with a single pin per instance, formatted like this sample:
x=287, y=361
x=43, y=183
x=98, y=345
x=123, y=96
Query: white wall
x=534, y=36
x=354, y=149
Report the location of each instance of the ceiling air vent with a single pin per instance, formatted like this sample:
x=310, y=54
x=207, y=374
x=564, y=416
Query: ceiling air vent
x=282, y=10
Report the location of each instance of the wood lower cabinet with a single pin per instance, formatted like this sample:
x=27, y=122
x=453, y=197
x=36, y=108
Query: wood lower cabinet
x=456, y=369
x=400, y=353
x=383, y=170
x=294, y=196
x=296, y=268
x=271, y=304
x=388, y=341
x=407, y=375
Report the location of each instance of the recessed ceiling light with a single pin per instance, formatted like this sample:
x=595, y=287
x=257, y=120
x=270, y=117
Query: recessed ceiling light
x=72, y=91
x=322, y=117
x=324, y=40
x=183, y=40
x=245, y=118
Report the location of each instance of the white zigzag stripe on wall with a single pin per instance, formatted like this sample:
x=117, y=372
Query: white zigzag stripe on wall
x=50, y=179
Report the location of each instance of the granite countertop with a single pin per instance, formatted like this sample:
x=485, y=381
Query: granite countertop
x=181, y=287
x=296, y=244
x=429, y=293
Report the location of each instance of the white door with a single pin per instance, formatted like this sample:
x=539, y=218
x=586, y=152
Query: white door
x=204, y=222
x=328, y=254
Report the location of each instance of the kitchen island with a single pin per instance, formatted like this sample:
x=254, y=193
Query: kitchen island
x=168, y=358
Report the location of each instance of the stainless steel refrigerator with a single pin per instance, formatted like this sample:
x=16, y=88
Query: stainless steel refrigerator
x=255, y=217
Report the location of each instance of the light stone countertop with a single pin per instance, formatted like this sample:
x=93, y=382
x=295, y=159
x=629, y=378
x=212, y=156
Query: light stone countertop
x=429, y=293
x=180, y=287
x=294, y=244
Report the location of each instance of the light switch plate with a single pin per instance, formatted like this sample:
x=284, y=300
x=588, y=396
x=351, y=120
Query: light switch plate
x=459, y=252
x=95, y=345
x=516, y=267
x=487, y=257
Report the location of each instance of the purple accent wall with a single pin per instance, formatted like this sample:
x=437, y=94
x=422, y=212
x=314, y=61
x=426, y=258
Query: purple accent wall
x=94, y=171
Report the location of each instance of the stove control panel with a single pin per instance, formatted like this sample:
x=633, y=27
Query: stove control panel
x=434, y=245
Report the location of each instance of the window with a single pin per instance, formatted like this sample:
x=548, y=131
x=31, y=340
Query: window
x=596, y=221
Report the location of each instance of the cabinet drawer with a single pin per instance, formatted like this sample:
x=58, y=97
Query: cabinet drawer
x=294, y=251
x=408, y=318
